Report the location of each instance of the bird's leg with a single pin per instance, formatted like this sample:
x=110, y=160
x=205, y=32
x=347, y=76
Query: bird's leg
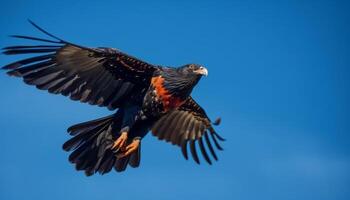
x=132, y=147
x=121, y=141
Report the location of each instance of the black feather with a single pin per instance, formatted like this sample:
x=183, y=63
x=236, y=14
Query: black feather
x=211, y=149
x=193, y=151
x=184, y=149
x=31, y=47
x=204, y=153
x=27, y=61
x=34, y=38
x=216, y=142
x=135, y=157
x=35, y=68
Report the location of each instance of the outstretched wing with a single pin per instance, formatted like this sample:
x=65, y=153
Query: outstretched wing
x=99, y=76
x=188, y=124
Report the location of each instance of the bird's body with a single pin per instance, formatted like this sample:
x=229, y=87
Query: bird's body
x=147, y=98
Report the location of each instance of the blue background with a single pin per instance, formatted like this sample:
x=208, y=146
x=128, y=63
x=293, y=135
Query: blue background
x=278, y=76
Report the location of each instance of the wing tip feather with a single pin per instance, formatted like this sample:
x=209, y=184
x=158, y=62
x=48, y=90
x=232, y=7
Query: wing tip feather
x=217, y=121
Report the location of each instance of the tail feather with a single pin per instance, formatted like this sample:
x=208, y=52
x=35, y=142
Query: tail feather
x=121, y=164
x=105, y=163
x=91, y=146
x=75, y=129
x=135, y=158
x=83, y=137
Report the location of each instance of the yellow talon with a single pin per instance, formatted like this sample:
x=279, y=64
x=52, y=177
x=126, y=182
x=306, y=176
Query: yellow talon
x=121, y=141
x=133, y=146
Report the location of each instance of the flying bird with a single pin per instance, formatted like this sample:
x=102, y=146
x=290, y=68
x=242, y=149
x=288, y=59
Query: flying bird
x=145, y=97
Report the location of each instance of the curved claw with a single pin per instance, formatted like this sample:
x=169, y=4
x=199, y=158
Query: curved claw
x=133, y=146
x=120, y=142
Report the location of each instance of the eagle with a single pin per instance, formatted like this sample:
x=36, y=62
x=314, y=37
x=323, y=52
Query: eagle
x=145, y=98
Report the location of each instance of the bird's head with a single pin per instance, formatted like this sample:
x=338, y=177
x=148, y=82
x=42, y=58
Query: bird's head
x=180, y=81
x=194, y=69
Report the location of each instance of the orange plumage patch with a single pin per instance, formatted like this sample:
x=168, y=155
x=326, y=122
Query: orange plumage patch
x=169, y=101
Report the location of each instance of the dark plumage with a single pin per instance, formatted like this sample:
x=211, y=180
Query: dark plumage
x=147, y=98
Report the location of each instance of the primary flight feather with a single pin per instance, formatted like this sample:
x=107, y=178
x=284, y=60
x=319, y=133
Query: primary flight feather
x=147, y=98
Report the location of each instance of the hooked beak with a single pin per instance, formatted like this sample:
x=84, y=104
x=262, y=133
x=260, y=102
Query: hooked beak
x=202, y=71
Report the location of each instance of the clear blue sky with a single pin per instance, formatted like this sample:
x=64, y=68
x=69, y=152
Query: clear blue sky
x=278, y=76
